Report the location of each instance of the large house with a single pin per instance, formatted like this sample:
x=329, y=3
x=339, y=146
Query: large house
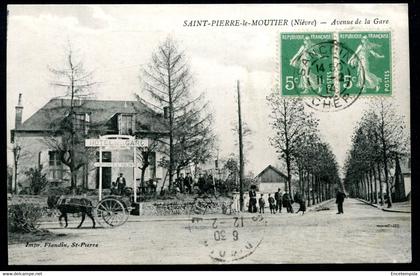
x=132, y=118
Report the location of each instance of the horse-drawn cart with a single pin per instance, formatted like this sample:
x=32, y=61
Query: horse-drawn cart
x=113, y=210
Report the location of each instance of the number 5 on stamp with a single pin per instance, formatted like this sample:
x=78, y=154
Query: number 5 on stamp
x=371, y=58
x=306, y=64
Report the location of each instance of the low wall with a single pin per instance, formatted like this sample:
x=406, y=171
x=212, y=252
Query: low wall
x=176, y=206
x=190, y=207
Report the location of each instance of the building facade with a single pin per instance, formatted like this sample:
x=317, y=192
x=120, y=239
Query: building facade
x=37, y=141
x=270, y=179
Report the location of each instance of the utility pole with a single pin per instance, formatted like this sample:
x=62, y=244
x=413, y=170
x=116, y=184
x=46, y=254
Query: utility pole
x=241, y=154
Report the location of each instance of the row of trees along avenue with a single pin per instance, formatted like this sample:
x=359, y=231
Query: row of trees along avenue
x=298, y=143
x=379, y=141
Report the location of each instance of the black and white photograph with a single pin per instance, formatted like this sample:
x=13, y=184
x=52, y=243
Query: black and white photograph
x=208, y=134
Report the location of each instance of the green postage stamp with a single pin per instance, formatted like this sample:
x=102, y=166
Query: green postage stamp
x=336, y=64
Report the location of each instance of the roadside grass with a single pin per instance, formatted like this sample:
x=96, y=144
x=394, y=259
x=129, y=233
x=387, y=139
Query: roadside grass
x=35, y=236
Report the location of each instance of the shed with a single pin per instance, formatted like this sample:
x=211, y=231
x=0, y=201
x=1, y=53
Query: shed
x=270, y=179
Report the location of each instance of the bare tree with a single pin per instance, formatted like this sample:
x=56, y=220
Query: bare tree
x=167, y=79
x=290, y=121
x=379, y=139
x=66, y=136
x=392, y=136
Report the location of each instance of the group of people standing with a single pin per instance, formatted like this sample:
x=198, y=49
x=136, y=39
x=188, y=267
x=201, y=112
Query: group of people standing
x=184, y=184
x=284, y=200
x=205, y=183
x=276, y=203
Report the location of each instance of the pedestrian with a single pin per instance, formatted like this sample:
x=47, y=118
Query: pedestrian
x=277, y=196
x=152, y=186
x=180, y=182
x=302, y=204
x=287, y=202
x=261, y=203
x=188, y=182
x=252, y=205
x=121, y=183
x=201, y=183
x=340, y=196
x=272, y=204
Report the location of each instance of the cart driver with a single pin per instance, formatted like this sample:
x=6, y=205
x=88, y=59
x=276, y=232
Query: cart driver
x=121, y=184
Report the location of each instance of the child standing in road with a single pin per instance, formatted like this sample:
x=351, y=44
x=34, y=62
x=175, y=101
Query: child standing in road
x=272, y=204
x=261, y=202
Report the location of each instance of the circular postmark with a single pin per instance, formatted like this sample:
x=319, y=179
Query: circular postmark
x=229, y=239
x=330, y=76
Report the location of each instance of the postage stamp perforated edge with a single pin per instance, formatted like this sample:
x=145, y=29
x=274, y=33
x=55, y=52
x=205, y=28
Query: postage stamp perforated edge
x=277, y=74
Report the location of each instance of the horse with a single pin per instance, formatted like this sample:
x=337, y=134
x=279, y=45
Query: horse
x=71, y=205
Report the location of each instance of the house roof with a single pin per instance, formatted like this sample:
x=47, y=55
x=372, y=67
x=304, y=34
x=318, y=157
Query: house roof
x=101, y=111
x=269, y=167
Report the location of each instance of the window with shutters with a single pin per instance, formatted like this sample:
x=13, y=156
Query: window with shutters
x=54, y=165
x=126, y=124
x=152, y=164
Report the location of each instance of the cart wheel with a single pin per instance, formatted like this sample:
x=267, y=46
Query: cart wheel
x=111, y=212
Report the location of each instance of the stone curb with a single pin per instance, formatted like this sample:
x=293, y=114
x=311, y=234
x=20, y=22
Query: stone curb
x=382, y=208
x=313, y=207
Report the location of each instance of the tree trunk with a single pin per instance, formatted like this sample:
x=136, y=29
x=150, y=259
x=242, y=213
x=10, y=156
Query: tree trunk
x=363, y=188
x=375, y=181
x=289, y=175
x=381, y=189
x=318, y=191
x=370, y=194
x=143, y=171
x=313, y=190
x=171, y=130
x=366, y=177
x=300, y=181
x=308, y=188
x=385, y=161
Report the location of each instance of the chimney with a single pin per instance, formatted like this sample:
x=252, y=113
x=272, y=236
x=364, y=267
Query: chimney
x=18, y=116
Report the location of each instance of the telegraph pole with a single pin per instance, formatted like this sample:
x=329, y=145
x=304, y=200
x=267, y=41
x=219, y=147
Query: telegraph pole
x=241, y=154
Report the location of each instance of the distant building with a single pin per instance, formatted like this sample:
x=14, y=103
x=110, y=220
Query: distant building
x=402, y=179
x=270, y=179
x=116, y=117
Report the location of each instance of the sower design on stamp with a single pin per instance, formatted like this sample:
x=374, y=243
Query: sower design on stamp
x=305, y=67
x=372, y=59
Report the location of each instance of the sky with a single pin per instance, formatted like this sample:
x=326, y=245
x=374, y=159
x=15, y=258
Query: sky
x=116, y=41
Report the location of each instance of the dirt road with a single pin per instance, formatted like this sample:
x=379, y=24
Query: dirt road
x=362, y=234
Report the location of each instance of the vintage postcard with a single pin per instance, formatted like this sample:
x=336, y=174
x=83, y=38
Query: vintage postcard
x=208, y=134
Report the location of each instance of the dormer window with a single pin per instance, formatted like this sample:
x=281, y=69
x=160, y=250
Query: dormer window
x=126, y=124
x=81, y=122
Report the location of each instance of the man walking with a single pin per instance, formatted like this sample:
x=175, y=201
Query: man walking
x=340, y=196
x=277, y=197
